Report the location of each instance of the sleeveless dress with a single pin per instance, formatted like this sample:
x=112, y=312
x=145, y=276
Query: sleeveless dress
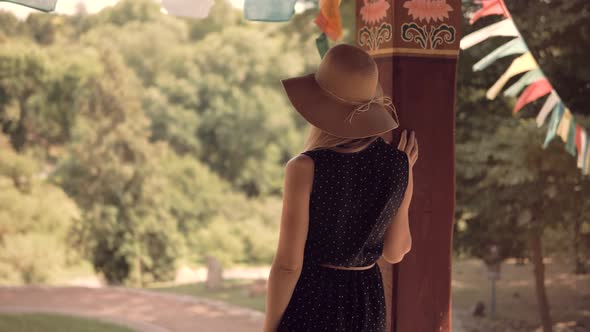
x=353, y=199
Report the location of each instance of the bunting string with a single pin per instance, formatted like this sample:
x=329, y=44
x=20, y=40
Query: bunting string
x=531, y=86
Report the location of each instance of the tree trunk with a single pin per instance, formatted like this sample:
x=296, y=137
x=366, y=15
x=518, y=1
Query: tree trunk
x=579, y=267
x=19, y=135
x=539, y=272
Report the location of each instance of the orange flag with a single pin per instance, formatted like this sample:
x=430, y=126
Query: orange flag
x=328, y=19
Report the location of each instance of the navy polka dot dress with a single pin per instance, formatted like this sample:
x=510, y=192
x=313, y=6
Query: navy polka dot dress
x=353, y=199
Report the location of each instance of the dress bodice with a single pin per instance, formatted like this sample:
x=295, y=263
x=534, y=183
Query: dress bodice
x=353, y=199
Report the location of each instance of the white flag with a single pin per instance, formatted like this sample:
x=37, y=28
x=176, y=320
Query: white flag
x=187, y=8
x=44, y=5
x=547, y=107
x=503, y=28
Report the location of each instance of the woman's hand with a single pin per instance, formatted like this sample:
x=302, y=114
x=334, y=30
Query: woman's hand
x=409, y=146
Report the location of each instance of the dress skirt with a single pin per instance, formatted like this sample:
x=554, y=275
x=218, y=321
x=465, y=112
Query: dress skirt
x=327, y=299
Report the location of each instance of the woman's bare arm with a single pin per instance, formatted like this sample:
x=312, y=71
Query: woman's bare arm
x=397, y=239
x=288, y=260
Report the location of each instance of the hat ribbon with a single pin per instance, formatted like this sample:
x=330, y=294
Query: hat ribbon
x=383, y=101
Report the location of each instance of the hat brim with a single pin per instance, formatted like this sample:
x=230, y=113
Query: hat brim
x=331, y=115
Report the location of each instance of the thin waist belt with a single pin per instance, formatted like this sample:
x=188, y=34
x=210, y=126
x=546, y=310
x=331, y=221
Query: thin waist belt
x=348, y=267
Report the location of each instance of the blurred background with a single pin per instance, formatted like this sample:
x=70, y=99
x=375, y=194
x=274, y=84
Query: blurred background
x=142, y=157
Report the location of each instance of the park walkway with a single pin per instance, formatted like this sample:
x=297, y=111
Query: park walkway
x=140, y=310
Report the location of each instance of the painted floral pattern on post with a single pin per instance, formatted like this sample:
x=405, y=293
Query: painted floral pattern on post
x=373, y=34
x=428, y=34
x=435, y=10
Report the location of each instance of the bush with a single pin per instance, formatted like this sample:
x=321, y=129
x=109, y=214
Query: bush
x=30, y=258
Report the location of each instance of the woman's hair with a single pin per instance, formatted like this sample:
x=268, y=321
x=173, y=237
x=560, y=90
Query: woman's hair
x=319, y=139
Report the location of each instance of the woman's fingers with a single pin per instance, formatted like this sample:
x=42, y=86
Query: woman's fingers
x=414, y=149
x=409, y=145
x=402, y=141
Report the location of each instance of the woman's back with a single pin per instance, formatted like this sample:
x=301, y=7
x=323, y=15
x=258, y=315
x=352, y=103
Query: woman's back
x=353, y=199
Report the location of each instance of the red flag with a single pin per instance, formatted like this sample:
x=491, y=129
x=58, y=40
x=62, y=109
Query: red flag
x=490, y=7
x=533, y=92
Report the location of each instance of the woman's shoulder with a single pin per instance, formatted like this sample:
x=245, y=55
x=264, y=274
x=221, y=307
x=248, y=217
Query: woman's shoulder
x=299, y=173
x=301, y=163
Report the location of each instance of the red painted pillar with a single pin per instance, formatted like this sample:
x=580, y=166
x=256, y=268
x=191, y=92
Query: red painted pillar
x=416, y=45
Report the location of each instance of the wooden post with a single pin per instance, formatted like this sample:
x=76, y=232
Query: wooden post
x=416, y=45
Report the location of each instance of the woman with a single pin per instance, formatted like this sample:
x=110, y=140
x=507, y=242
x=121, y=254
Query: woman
x=345, y=201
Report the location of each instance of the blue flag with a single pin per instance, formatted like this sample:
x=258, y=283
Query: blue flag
x=269, y=10
x=525, y=80
x=322, y=44
x=553, y=123
x=515, y=46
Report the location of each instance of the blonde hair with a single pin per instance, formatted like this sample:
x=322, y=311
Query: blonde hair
x=319, y=139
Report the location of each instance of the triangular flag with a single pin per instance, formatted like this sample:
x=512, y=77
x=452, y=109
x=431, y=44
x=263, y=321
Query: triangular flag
x=43, y=5
x=269, y=10
x=521, y=64
x=490, y=7
x=580, y=144
x=570, y=145
x=515, y=46
x=322, y=44
x=564, y=125
x=526, y=79
x=586, y=168
x=187, y=8
x=533, y=92
x=328, y=19
x=503, y=28
x=547, y=107
x=553, y=123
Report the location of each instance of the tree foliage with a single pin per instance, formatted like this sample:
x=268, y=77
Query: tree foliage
x=142, y=140
x=508, y=184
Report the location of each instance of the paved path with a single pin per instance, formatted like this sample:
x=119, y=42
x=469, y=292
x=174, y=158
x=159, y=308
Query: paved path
x=141, y=310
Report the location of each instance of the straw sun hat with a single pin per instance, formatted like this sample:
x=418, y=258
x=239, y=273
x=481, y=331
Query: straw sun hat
x=343, y=97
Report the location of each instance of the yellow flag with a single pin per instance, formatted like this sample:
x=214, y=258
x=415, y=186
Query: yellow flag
x=521, y=64
x=564, y=125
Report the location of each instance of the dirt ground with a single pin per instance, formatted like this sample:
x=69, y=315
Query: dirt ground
x=516, y=302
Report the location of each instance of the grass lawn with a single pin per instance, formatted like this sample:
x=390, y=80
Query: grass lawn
x=45, y=323
x=516, y=304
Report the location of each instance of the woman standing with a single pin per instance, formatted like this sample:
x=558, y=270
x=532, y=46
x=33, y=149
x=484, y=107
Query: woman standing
x=345, y=201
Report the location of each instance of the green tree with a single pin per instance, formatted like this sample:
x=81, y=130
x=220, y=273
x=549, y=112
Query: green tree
x=245, y=119
x=508, y=185
x=23, y=70
x=34, y=221
x=112, y=172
